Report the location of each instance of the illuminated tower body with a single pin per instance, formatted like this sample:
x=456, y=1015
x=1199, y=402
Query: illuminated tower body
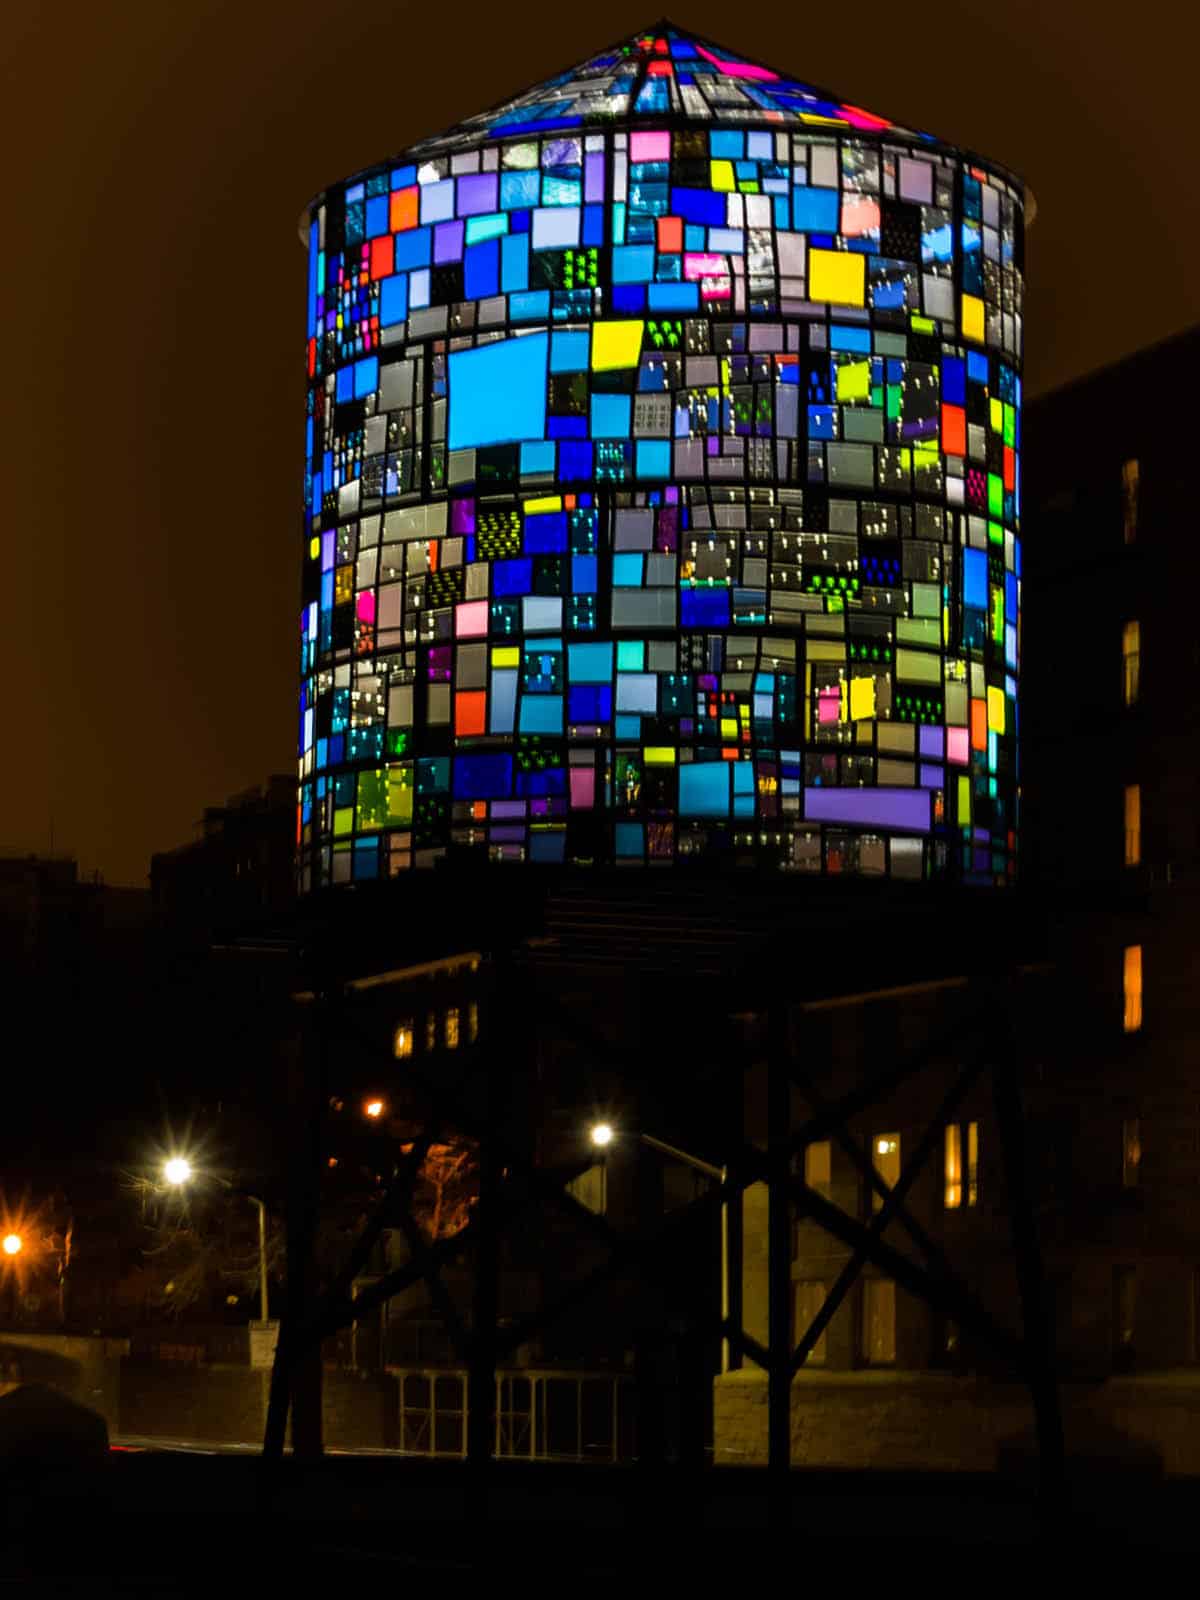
x=663, y=487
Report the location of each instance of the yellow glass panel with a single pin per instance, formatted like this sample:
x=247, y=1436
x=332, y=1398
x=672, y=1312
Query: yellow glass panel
x=616, y=344
x=506, y=655
x=964, y=801
x=343, y=820
x=862, y=698
x=972, y=317
x=400, y=794
x=996, y=409
x=722, y=175
x=314, y=548
x=995, y=703
x=548, y=502
x=660, y=755
x=854, y=381
x=729, y=727
x=839, y=276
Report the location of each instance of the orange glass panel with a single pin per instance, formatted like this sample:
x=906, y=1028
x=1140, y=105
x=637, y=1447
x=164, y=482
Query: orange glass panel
x=404, y=209
x=470, y=711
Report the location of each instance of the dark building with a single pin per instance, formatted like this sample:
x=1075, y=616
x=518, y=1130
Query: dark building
x=240, y=867
x=1112, y=787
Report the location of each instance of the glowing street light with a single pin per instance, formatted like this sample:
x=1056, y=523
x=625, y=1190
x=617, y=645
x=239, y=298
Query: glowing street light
x=373, y=1108
x=13, y=1244
x=178, y=1171
x=602, y=1134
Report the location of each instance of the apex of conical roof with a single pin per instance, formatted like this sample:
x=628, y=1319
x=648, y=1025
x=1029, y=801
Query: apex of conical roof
x=664, y=72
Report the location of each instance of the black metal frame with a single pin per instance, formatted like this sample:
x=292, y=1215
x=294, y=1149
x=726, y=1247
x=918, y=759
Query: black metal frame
x=509, y=1182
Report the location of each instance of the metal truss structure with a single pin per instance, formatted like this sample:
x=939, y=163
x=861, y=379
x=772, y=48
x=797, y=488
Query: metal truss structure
x=476, y=1103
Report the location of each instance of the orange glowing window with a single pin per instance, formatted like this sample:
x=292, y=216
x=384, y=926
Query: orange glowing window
x=470, y=712
x=670, y=234
x=1133, y=824
x=1133, y=988
x=961, y=1183
x=382, y=256
x=953, y=1167
x=402, y=1039
x=404, y=209
x=1131, y=661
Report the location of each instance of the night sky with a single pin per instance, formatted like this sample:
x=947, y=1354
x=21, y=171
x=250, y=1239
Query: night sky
x=158, y=157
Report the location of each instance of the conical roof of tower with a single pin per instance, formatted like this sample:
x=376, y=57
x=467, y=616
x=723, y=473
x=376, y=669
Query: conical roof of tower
x=665, y=73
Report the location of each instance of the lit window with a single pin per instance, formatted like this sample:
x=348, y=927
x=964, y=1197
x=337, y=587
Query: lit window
x=1133, y=987
x=957, y=1192
x=1131, y=1152
x=972, y=1163
x=954, y=1186
x=431, y=1030
x=472, y=1022
x=1129, y=494
x=402, y=1039
x=1133, y=824
x=818, y=1167
x=810, y=1297
x=886, y=1156
x=451, y=1028
x=1131, y=649
x=879, y=1322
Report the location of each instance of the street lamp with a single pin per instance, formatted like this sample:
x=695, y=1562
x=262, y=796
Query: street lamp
x=602, y=1134
x=13, y=1244
x=178, y=1171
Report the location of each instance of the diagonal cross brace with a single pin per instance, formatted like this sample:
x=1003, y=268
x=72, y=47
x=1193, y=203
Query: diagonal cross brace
x=893, y=1206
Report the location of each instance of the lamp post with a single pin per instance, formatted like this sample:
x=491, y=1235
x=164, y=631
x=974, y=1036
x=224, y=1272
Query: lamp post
x=178, y=1171
x=12, y=1246
x=602, y=1134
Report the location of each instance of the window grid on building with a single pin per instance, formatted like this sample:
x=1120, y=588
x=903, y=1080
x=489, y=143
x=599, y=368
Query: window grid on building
x=1133, y=988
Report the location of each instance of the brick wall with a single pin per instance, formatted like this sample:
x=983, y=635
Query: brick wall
x=894, y=1420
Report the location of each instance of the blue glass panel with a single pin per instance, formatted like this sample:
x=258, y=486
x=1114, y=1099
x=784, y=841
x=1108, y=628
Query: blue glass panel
x=704, y=789
x=498, y=392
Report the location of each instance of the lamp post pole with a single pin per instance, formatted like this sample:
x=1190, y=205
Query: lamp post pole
x=262, y=1256
x=602, y=1135
x=178, y=1172
x=718, y=1174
